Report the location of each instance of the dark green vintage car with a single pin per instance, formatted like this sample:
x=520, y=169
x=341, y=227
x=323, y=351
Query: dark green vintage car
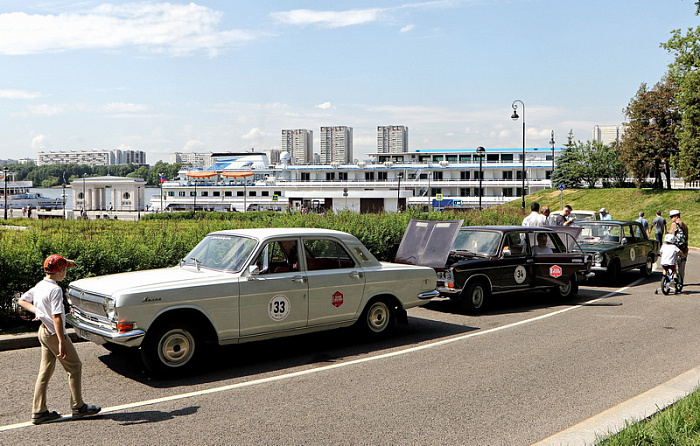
x=618, y=246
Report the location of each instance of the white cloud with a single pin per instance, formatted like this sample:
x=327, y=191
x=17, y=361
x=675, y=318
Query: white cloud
x=18, y=94
x=156, y=27
x=407, y=28
x=193, y=145
x=123, y=107
x=324, y=106
x=328, y=19
x=46, y=110
x=40, y=142
x=254, y=133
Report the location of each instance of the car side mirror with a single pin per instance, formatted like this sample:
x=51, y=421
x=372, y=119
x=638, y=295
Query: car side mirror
x=624, y=240
x=506, y=252
x=253, y=270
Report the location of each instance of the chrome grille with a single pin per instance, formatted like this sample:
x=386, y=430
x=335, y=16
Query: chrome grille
x=86, y=302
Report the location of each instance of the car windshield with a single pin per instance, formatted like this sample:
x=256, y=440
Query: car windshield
x=221, y=252
x=599, y=233
x=483, y=243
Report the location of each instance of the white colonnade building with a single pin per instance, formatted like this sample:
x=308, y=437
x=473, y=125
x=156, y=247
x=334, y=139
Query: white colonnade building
x=109, y=193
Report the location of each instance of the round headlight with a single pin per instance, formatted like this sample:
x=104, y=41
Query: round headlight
x=598, y=257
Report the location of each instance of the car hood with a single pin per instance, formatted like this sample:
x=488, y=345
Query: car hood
x=154, y=279
x=427, y=243
x=598, y=247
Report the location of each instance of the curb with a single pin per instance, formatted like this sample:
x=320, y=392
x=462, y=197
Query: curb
x=28, y=340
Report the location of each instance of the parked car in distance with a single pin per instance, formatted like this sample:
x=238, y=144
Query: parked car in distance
x=477, y=263
x=244, y=285
x=577, y=216
x=618, y=246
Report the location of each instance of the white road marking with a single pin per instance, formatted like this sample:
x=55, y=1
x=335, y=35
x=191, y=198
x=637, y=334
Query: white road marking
x=336, y=365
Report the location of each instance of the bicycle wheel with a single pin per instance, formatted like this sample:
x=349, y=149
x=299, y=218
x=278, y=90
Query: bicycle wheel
x=665, y=285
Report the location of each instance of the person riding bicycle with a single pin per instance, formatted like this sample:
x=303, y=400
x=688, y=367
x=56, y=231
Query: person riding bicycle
x=668, y=253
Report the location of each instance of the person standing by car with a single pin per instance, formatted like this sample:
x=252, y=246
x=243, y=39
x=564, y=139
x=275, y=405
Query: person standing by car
x=644, y=222
x=680, y=234
x=45, y=300
x=565, y=218
x=604, y=215
x=535, y=218
x=659, y=225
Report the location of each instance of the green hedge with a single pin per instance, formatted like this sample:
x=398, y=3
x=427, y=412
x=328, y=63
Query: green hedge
x=159, y=240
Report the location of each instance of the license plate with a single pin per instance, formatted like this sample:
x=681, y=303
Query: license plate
x=90, y=336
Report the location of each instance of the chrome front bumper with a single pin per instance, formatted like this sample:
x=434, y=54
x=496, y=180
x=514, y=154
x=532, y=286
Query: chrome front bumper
x=101, y=335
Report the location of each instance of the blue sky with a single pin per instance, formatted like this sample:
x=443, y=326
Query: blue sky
x=202, y=76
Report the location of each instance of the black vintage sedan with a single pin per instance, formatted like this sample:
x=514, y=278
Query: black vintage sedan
x=476, y=263
x=618, y=246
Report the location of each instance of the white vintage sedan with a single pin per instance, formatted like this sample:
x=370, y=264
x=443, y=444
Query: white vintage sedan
x=245, y=285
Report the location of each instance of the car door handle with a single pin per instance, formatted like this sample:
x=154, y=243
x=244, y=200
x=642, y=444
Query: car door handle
x=299, y=279
x=357, y=274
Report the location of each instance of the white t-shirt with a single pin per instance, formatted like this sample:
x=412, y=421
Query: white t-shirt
x=668, y=254
x=47, y=298
x=535, y=219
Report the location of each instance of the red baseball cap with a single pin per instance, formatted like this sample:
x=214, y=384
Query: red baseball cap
x=55, y=263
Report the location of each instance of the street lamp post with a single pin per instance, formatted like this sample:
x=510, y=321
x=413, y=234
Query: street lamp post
x=4, y=177
x=84, y=194
x=398, y=193
x=515, y=117
x=481, y=151
x=551, y=141
x=194, y=204
x=138, y=203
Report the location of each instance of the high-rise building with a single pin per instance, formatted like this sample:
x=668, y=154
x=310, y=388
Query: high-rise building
x=607, y=134
x=392, y=139
x=336, y=145
x=300, y=145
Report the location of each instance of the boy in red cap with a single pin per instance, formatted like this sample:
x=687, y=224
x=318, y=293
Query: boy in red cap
x=45, y=300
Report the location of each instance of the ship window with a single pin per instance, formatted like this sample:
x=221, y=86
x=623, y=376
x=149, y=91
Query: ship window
x=216, y=193
x=252, y=193
x=205, y=193
x=239, y=193
x=181, y=193
x=171, y=193
x=227, y=193
x=265, y=193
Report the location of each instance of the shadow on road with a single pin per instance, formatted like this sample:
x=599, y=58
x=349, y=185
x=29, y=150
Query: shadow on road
x=273, y=356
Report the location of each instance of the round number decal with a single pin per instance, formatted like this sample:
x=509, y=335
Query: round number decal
x=520, y=274
x=633, y=254
x=279, y=307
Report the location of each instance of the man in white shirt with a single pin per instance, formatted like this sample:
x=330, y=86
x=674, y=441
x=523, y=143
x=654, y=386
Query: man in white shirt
x=45, y=300
x=535, y=218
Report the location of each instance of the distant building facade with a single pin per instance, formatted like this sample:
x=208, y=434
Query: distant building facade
x=392, y=139
x=202, y=160
x=300, y=145
x=607, y=134
x=336, y=145
x=92, y=157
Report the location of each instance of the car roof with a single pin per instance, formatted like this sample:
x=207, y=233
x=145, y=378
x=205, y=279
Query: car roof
x=604, y=222
x=265, y=233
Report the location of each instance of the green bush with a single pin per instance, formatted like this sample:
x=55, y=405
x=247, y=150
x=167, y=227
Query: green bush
x=159, y=240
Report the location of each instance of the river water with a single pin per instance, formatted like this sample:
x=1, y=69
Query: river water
x=56, y=193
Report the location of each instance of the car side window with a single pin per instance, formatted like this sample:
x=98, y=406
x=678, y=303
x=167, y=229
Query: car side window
x=515, y=244
x=278, y=257
x=326, y=254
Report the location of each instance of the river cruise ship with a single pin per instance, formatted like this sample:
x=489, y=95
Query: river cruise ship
x=18, y=195
x=242, y=182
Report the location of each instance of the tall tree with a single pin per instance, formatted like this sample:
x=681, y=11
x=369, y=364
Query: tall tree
x=684, y=72
x=649, y=142
x=569, y=170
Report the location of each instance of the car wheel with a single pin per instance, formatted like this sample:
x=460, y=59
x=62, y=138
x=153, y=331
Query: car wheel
x=377, y=318
x=613, y=273
x=566, y=291
x=648, y=266
x=473, y=300
x=171, y=349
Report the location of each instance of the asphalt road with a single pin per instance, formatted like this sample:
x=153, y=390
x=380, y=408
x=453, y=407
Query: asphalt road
x=529, y=368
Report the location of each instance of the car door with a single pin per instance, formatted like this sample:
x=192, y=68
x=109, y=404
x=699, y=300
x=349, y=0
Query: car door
x=276, y=297
x=514, y=269
x=628, y=254
x=336, y=281
x=558, y=259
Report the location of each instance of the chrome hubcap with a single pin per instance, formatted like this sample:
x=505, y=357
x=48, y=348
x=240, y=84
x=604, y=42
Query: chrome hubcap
x=176, y=347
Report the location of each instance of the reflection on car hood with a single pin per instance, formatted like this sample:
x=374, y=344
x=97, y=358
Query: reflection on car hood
x=144, y=280
x=427, y=243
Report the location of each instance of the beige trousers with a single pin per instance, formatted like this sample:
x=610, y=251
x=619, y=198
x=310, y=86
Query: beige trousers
x=71, y=363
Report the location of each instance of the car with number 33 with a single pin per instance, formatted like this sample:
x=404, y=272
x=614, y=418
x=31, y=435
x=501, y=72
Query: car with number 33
x=244, y=285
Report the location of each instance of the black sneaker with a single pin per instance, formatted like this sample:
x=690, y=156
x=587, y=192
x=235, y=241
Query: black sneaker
x=45, y=417
x=86, y=411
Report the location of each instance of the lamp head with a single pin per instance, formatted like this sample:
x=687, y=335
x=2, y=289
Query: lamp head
x=514, y=116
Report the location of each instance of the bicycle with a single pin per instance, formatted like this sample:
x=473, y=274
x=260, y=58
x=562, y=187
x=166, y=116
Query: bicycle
x=672, y=279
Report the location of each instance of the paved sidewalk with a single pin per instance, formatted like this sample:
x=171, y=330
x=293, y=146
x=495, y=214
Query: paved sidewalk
x=29, y=339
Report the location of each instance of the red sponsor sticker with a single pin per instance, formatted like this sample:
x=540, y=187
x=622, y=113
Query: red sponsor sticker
x=555, y=271
x=337, y=299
